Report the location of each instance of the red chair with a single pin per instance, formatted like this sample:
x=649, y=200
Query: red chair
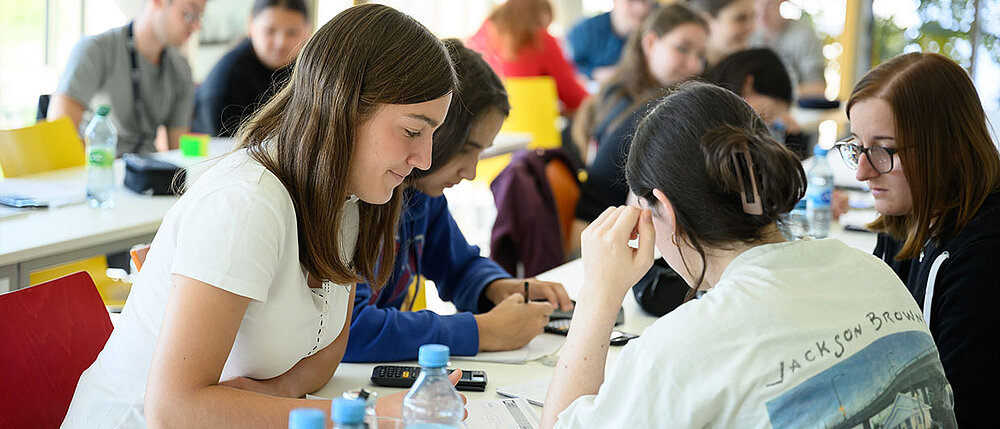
x=49, y=334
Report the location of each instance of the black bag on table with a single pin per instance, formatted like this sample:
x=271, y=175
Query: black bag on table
x=145, y=174
x=661, y=290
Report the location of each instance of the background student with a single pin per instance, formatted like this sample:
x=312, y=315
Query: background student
x=919, y=140
x=796, y=43
x=493, y=315
x=781, y=331
x=244, y=301
x=596, y=43
x=249, y=75
x=667, y=49
x=731, y=23
x=100, y=71
x=515, y=41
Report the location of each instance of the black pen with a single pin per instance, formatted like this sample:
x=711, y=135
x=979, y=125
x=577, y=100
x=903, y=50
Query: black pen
x=526, y=298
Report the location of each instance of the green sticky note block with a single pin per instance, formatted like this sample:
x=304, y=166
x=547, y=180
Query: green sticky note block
x=194, y=144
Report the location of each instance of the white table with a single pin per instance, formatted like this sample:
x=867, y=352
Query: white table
x=354, y=375
x=42, y=238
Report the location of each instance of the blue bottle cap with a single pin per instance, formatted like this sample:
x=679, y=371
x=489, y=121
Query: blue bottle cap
x=433, y=355
x=348, y=411
x=818, y=150
x=306, y=418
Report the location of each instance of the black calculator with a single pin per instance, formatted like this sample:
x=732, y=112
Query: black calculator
x=405, y=376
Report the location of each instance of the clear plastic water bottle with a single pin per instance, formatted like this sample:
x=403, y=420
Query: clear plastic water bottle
x=102, y=141
x=306, y=418
x=795, y=225
x=433, y=401
x=819, y=194
x=348, y=413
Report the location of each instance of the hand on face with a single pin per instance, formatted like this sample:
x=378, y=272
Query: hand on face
x=611, y=266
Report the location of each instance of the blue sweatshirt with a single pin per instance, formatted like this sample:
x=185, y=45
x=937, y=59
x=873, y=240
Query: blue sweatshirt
x=430, y=244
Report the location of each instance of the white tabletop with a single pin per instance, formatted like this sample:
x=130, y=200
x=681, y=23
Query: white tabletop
x=354, y=375
x=39, y=238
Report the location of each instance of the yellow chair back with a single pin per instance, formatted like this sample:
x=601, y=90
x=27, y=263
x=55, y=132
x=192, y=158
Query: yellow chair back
x=41, y=147
x=112, y=291
x=534, y=108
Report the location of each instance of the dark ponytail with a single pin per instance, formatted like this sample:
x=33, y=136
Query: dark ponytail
x=684, y=147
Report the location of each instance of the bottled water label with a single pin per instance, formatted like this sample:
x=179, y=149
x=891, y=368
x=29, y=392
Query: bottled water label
x=100, y=157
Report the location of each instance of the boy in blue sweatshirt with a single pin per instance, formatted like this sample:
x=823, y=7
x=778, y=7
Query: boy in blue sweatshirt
x=492, y=312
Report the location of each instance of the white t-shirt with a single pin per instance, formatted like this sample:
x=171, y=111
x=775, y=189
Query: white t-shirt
x=801, y=334
x=235, y=229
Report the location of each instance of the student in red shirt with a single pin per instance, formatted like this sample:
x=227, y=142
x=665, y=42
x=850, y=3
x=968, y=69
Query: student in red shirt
x=515, y=42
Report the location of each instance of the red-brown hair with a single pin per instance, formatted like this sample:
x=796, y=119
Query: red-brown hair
x=943, y=140
x=518, y=23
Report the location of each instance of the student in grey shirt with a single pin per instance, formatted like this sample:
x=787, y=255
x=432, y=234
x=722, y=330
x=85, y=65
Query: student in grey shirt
x=100, y=67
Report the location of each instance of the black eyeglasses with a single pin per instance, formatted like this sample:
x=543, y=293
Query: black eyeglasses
x=880, y=158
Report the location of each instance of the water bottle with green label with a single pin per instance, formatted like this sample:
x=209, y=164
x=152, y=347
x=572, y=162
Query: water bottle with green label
x=102, y=139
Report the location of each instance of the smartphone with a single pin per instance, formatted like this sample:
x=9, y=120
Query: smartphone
x=619, y=338
x=560, y=315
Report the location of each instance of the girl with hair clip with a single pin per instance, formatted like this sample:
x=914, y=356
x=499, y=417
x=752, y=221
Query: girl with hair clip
x=243, y=303
x=493, y=314
x=919, y=139
x=783, y=334
x=515, y=41
x=248, y=76
x=668, y=48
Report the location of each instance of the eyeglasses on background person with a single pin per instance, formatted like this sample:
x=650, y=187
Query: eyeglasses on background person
x=880, y=158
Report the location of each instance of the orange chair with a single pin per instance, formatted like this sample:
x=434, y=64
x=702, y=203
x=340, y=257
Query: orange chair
x=566, y=191
x=138, y=254
x=51, y=333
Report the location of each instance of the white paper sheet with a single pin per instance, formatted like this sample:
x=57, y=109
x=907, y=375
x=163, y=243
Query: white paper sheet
x=541, y=345
x=533, y=391
x=509, y=413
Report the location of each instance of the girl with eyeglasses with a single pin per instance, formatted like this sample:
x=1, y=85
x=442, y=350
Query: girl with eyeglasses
x=919, y=139
x=809, y=333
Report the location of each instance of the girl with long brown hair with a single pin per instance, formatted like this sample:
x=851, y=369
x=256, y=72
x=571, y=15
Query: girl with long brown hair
x=919, y=139
x=515, y=41
x=244, y=301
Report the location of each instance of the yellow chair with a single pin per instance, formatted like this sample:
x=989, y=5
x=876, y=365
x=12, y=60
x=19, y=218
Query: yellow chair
x=49, y=146
x=534, y=109
x=112, y=291
x=41, y=147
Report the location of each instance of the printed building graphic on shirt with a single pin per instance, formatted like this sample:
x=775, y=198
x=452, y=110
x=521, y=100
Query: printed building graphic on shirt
x=895, y=382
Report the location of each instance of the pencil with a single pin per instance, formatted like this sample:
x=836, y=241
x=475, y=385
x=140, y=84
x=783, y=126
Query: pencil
x=527, y=299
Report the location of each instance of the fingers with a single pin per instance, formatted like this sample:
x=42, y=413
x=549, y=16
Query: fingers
x=554, y=293
x=455, y=376
x=647, y=237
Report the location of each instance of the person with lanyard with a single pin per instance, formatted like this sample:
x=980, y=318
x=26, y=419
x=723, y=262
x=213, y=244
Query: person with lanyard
x=493, y=315
x=250, y=74
x=137, y=70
